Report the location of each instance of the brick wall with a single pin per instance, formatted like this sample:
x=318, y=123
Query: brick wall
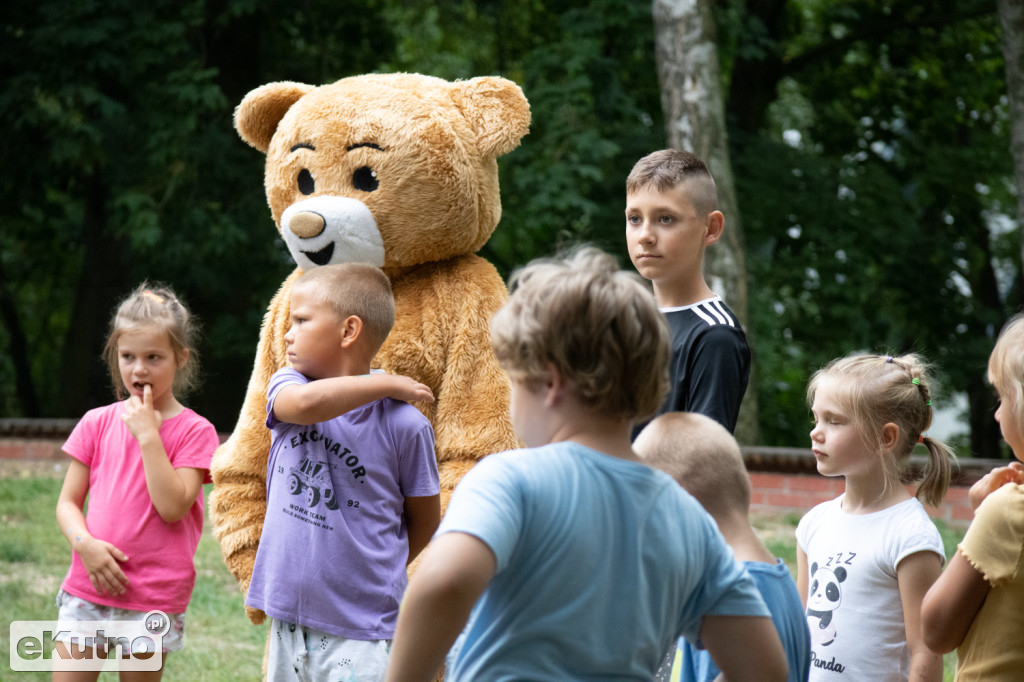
x=785, y=480
x=776, y=493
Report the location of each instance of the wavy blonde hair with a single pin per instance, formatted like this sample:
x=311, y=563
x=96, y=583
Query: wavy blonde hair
x=597, y=324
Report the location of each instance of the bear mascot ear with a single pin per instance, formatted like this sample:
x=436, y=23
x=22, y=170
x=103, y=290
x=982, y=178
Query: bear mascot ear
x=497, y=110
x=256, y=118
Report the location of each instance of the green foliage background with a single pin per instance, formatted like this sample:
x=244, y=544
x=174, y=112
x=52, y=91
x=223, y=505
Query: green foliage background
x=869, y=141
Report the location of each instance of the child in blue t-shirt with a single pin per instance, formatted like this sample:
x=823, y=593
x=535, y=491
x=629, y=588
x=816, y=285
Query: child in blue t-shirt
x=704, y=458
x=571, y=559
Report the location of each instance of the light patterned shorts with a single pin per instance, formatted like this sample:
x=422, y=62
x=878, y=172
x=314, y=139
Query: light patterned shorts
x=72, y=608
x=301, y=654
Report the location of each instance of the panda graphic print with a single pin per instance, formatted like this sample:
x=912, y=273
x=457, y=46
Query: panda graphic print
x=824, y=595
x=853, y=608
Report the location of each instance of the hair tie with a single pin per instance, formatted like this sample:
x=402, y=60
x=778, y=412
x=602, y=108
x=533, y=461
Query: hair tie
x=888, y=358
x=155, y=297
x=915, y=381
x=920, y=439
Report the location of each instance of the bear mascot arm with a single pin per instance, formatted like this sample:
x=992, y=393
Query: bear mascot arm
x=400, y=171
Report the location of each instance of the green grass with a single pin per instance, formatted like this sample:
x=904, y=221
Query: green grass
x=221, y=644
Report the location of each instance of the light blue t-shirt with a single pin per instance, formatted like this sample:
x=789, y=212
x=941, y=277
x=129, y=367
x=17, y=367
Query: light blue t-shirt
x=779, y=592
x=601, y=564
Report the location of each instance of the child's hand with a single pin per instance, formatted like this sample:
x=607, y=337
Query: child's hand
x=139, y=415
x=101, y=560
x=994, y=480
x=408, y=389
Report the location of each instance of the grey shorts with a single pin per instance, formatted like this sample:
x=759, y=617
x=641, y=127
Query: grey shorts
x=73, y=609
x=301, y=654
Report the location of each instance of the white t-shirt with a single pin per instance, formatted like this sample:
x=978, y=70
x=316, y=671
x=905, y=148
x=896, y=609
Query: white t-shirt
x=854, y=610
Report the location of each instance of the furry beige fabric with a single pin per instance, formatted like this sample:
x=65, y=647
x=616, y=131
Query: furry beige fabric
x=399, y=170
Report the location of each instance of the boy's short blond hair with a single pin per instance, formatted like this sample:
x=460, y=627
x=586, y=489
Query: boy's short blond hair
x=355, y=289
x=668, y=169
x=702, y=456
x=598, y=325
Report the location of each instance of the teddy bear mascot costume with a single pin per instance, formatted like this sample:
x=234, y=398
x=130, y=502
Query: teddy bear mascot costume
x=400, y=171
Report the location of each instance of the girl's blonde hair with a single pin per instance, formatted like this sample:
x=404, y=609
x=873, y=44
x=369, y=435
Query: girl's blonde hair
x=1006, y=366
x=155, y=306
x=875, y=390
x=597, y=324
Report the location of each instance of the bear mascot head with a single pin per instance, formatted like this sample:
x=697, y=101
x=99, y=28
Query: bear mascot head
x=400, y=171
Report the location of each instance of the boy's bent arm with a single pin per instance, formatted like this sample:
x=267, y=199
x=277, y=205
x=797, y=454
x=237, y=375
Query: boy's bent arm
x=951, y=604
x=422, y=516
x=324, y=399
x=455, y=570
x=745, y=648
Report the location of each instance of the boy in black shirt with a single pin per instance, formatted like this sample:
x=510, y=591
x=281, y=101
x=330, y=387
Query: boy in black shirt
x=672, y=216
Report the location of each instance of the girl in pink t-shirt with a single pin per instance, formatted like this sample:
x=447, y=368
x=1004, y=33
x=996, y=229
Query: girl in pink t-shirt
x=141, y=462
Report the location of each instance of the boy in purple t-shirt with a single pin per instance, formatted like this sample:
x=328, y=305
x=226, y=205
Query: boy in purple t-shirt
x=352, y=484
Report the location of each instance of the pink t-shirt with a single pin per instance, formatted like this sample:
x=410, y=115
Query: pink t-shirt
x=159, y=568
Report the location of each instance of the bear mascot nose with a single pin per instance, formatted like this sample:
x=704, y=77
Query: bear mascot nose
x=306, y=225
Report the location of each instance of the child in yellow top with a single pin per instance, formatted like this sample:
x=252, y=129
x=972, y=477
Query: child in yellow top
x=978, y=602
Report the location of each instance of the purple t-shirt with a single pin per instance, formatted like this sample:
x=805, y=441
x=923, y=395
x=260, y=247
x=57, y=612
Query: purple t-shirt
x=334, y=545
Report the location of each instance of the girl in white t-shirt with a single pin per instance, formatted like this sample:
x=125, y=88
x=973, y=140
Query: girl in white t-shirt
x=141, y=462
x=866, y=559
x=977, y=606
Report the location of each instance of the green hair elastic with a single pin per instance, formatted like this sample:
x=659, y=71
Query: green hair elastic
x=917, y=382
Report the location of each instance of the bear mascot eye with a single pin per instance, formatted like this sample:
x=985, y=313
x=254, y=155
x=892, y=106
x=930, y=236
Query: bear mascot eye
x=365, y=179
x=307, y=185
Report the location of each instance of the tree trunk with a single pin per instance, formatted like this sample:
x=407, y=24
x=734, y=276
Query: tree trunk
x=691, y=98
x=1011, y=15
x=28, y=402
x=101, y=284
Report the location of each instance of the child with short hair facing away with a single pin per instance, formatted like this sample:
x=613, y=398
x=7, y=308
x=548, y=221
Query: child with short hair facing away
x=352, y=484
x=704, y=458
x=866, y=558
x=141, y=462
x=672, y=217
x=570, y=558
x=977, y=605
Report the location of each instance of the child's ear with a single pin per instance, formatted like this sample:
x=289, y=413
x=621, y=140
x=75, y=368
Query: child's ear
x=554, y=386
x=714, y=226
x=183, y=360
x=351, y=328
x=890, y=436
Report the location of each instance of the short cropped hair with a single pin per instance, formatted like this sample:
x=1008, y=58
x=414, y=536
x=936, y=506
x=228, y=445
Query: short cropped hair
x=668, y=169
x=702, y=456
x=355, y=289
x=1006, y=366
x=597, y=324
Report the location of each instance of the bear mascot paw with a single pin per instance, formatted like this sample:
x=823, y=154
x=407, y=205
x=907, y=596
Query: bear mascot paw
x=400, y=171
